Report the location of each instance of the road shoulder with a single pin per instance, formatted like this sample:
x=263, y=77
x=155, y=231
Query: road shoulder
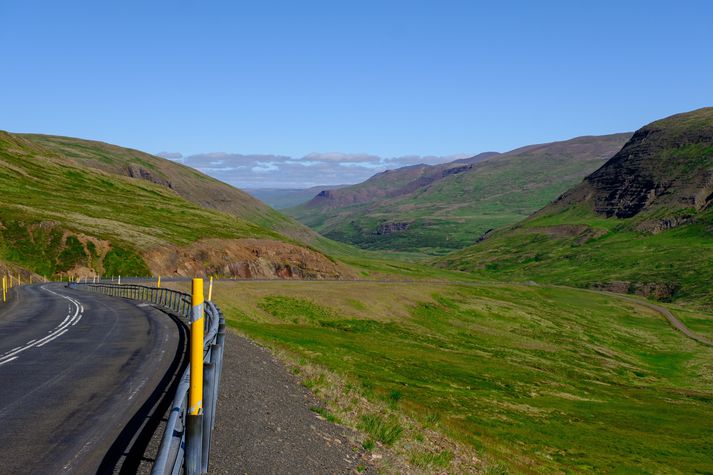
x=265, y=424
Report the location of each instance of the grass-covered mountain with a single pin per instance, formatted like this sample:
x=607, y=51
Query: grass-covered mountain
x=641, y=223
x=440, y=208
x=79, y=207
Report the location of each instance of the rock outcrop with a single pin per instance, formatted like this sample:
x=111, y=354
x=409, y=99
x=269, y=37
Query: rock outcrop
x=142, y=173
x=389, y=228
x=244, y=259
x=662, y=291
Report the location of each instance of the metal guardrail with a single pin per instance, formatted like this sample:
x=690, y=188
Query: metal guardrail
x=181, y=448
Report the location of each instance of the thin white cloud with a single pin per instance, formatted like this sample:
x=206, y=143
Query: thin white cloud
x=175, y=156
x=369, y=166
x=342, y=157
x=279, y=171
x=263, y=167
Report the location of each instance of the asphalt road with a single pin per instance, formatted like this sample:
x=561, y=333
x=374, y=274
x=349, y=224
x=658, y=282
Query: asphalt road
x=82, y=376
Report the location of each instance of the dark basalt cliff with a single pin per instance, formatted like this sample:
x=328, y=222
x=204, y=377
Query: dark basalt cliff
x=666, y=164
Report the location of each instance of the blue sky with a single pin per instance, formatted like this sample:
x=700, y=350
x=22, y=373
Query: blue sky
x=388, y=78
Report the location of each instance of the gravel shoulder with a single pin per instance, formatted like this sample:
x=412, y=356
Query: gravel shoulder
x=265, y=425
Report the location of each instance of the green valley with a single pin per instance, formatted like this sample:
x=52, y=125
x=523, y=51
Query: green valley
x=441, y=208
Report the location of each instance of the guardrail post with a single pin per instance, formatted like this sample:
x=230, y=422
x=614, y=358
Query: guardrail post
x=210, y=289
x=194, y=422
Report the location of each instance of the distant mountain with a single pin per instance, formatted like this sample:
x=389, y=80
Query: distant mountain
x=78, y=207
x=281, y=198
x=641, y=223
x=439, y=208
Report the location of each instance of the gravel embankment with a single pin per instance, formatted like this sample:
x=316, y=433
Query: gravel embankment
x=264, y=424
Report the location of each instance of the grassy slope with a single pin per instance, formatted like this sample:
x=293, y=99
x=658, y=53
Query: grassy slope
x=619, y=249
x=544, y=379
x=40, y=184
x=681, y=257
x=189, y=183
x=453, y=212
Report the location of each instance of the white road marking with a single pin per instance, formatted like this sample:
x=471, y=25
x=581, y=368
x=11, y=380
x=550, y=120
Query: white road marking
x=70, y=320
x=56, y=336
x=7, y=361
x=138, y=388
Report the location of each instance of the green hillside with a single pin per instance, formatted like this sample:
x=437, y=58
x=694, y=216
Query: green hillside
x=72, y=206
x=438, y=209
x=643, y=223
x=187, y=182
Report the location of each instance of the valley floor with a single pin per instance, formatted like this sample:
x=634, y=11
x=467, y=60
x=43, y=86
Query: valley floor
x=492, y=377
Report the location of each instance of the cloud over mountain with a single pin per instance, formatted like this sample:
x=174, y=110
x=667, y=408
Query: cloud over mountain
x=279, y=171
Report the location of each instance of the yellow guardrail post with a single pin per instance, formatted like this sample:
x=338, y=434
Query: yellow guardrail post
x=158, y=282
x=194, y=429
x=197, y=328
x=210, y=289
x=4, y=289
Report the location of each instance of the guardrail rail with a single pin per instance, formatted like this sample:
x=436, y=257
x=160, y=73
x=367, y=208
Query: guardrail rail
x=187, y=438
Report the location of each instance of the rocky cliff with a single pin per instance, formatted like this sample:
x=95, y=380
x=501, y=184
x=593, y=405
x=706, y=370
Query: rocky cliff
x=667, y=165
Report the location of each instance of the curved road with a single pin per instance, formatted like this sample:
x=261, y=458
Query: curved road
x=80, y=376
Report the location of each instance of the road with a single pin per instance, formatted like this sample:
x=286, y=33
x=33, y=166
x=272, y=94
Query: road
x=672, y=319
x=82, y=378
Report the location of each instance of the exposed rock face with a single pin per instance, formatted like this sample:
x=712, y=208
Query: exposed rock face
x=245, y=259
x=657, y=226
x=484, y=236
x=582, y=232
x=456, y=170
x=625, y=186
x=389, y=228
x=656, y=290
x=668, y=163
x=139, y=172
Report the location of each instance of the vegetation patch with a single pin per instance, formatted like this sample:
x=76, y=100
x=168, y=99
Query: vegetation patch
x=122, y=261
x=295, y=310
x=386, y=431
x=429, y=460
